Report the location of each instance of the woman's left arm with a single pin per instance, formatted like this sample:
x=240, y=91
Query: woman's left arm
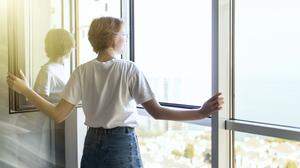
x=210, y=107
x=57, y=112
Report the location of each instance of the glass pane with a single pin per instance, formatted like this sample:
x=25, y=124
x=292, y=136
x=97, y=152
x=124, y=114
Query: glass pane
x=29, y=139
x=89, y=10
x=173, y=47
x=40, y=24
x=267, y=61
x=45, y=138
x=173, y=144
x=48, y=74
x=261, y=151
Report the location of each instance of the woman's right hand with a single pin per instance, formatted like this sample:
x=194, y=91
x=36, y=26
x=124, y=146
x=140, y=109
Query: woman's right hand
x=212, y=105
x=19, y=85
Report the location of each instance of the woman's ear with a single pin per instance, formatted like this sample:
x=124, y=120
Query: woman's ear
x=111, y=49
x=113, y=42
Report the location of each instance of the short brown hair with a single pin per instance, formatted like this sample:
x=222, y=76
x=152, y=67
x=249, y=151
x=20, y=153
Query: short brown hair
x=102, y=32
x=58, y=42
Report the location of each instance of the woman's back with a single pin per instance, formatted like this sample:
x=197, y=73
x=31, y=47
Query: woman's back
x=108, y=90
x=51, y=81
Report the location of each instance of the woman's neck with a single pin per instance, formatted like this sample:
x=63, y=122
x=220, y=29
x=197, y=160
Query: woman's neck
x=106, y=55
x=59, y=60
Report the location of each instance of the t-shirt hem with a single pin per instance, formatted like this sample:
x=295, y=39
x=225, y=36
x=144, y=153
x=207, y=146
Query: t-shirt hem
x=69, y=100
x=106, y=127
x=145, y=99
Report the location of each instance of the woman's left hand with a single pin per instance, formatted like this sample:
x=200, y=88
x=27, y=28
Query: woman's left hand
x=19, y=85
x=212, y=105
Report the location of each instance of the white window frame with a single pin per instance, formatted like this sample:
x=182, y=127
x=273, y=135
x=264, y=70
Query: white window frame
x=222, y=139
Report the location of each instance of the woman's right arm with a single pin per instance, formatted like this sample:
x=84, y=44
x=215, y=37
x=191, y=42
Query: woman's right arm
x=57, y=112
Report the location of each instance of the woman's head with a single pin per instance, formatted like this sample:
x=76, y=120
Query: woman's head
x=58, y=43
x=106, y=33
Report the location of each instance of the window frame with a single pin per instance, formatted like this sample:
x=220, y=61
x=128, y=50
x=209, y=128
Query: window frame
x=249, y=126
x=259, y=128
x=271, y=130
x=230, y=123
x=19, y=48
x=222, y=52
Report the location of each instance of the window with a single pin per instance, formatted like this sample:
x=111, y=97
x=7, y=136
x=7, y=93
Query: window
x=267, y=61
x=173, y=144
x=266, y=83
x=28, y=24
x=89, y=10
x=261, y=151
x=173, y=47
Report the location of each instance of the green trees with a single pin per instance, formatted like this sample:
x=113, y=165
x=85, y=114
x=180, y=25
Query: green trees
x=290, y=164
x=189, y=152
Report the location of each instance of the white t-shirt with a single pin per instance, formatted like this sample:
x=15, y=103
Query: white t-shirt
x=107, y=91
x=51, y=81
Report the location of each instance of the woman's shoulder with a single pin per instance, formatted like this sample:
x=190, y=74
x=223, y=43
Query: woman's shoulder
x=132, y=68
x=51, y=68
x=45, y=69
x=85, y=67
x=117, y=63
x=125, y=62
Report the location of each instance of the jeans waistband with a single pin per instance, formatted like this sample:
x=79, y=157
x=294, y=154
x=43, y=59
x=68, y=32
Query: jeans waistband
x=116, y=130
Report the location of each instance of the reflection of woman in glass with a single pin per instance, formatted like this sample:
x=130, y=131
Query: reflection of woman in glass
x=108, y=88
x=50, y=82
x=53, y=76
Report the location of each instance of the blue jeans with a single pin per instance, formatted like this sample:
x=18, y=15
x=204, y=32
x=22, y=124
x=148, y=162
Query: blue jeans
x=111, y=148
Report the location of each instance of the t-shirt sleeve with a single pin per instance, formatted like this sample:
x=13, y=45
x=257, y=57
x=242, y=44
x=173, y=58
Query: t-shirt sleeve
x=72, y=90
x=139, y=87
x=42, y=82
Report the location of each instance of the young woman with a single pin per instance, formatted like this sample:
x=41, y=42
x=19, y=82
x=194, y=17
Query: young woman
x=107, y=87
